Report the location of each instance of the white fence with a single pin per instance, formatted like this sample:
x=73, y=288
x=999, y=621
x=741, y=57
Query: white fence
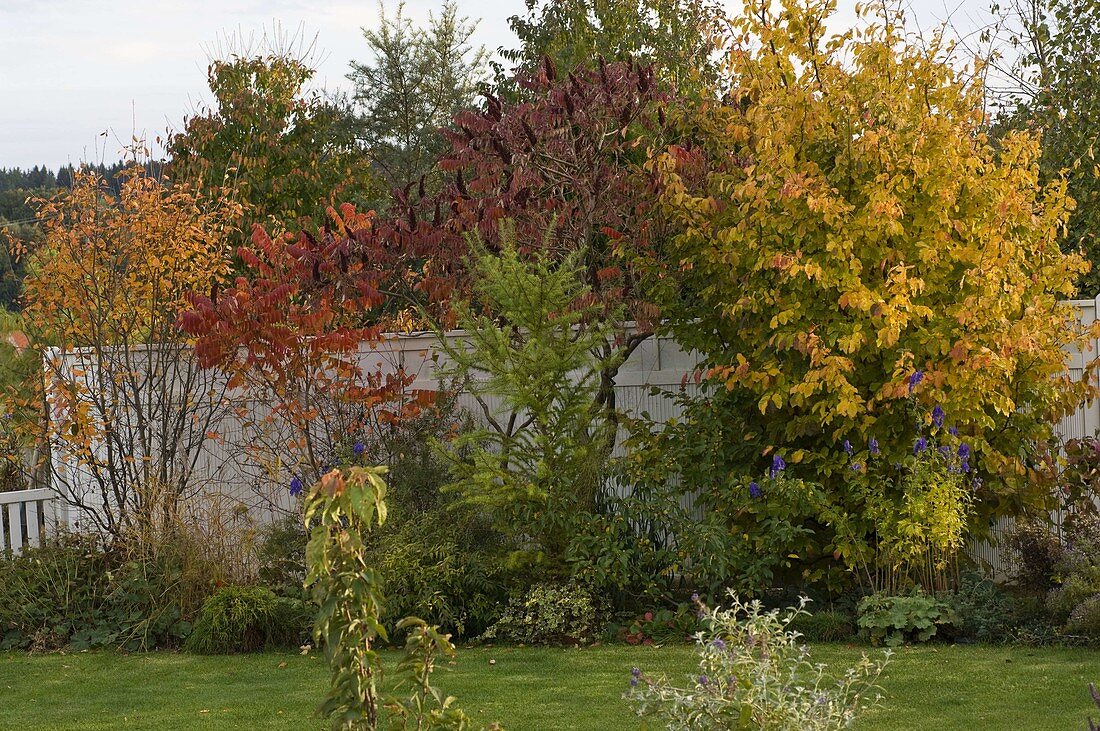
x=25, y=517
x=647, y=382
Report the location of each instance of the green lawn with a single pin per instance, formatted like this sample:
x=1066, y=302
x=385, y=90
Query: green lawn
x=972, y=688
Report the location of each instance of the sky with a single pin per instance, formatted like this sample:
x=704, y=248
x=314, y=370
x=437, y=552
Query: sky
x=80, y=78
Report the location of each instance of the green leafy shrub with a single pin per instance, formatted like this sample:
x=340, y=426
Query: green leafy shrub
x=755, y=674
x=549, y=614
x=76, y=592
x=898, y=619
x=50, y=594
x=828, y=625
x=984, y=612
x=247, y=619
x=425, y=707
x=443, y=565
x=281, y=554
x=752, y=527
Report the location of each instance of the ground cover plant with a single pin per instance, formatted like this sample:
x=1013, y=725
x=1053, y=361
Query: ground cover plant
x=549, y=689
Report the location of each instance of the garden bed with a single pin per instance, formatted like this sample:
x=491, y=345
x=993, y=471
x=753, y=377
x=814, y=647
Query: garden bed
x=526, y=689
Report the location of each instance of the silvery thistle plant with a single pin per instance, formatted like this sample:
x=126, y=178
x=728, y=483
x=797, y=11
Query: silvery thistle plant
x=755, y=673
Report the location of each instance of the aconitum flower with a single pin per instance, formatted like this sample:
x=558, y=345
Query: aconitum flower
x=964, y=466
x=976, y=484
x=856, y=466
x=718, y=644
x=920, y=446
x=755, y=491
x=945, y=451
x=953, y=431
x=914, y=379
x=938, y=416
x=778, y=465
x=295, y=486
x=872, y=446
x=359, y=448
x=703, y=680
x=964, y=451
x=848, y=447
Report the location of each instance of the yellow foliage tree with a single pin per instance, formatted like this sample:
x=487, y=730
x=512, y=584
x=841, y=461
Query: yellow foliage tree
x=126, y=409
x=848, y=225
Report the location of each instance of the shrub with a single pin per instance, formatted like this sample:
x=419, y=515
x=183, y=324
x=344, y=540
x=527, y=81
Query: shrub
x=50, y=594
x=984, y=612
x=247, y=619
x=76, y=592
x=536, y=347
x=824, y=626
x=443, y=565
x=897, y=619
x=281, y=555
x=807, y=281
x=549, y=614
x=1084, y=620
x=754, y=674
x=1078, y=570
x=1035, y=551
x=748, y=529
x=1079, y=481
x=661, y=625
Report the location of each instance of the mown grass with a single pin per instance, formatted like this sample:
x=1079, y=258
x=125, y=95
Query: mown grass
x=526, y=689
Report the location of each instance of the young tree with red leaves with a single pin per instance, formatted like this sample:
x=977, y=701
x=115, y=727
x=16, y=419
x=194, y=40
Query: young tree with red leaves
x=565, y=169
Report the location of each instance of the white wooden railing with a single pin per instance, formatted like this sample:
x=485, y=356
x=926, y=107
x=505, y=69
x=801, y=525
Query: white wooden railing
x=25, y=516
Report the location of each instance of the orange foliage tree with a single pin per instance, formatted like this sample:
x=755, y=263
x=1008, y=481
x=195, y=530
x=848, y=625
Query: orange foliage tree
x=128, y=411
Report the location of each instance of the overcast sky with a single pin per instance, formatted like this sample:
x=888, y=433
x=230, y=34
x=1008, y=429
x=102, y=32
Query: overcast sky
x=79, y=77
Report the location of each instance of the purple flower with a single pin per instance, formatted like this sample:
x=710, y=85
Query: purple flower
x=703, y=680
x=856, y=466
x=964, y=451
x=937, y=416
x=848, y=447
x=295, y=486
x=778, y=465
x=945, y=451
x=755, y=491
x=695, y=597
x=953, y=431
x=359, y=448
x=635, y=672
x=718, y=644
x=872, y=446
x=920, y=446
x=976, y=484
x=914, y=379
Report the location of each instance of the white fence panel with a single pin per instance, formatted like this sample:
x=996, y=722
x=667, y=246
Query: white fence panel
x=647, y=382
x=25, y=517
